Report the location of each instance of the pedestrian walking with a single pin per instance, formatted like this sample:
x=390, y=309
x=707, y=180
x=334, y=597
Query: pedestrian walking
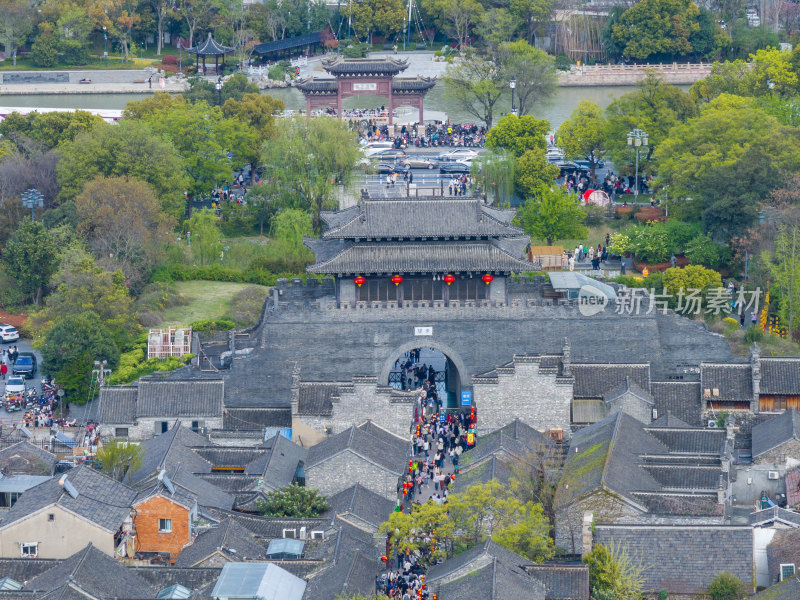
x=3, y=370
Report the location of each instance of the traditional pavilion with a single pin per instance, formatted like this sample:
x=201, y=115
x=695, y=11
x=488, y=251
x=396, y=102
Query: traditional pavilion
x=209, y=47
x=365, y=76
x=431, y=250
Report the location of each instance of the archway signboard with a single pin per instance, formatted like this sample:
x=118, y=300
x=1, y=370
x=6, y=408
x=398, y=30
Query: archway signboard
x=365, y=76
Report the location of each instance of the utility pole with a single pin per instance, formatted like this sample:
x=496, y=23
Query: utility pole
x=101, y=372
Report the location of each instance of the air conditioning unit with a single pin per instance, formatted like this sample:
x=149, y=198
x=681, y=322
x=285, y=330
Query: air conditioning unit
x=773, y=475
x=712, y=424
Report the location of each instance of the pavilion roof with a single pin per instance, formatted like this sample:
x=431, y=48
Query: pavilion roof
x=421, y=257
x=415, y=218
x=412, y=84
x=314, y=85
x=209, y=47
x=364, y=66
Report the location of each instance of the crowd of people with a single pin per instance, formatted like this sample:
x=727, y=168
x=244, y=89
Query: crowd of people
x=438, y=440
x=435, y=134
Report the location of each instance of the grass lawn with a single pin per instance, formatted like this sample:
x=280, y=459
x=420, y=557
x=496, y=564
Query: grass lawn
x=597, y=235
x=208, y=300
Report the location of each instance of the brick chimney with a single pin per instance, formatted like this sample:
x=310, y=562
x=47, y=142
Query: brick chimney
x=566, y=358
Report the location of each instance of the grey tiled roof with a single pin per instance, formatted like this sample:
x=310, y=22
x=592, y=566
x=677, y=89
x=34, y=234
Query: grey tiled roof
x=464, y=559
x=247, y=418
x=117, y=404
x=734, y=382
x=342, y=65
x=627, y=386
x=680, y=398
x=180, y=495
x=266, y=528
x=562, y=582
x=690, y=440
x=228, y=535
x=358, y=505
x=494, y=468
x=494, y=580
x=402, y=84
x=778, y=430
x=775, y=513
x=788, y=589
x=170, y=449
x=421, y=218
x=231, y=482
x=594, y=380
x=101, y=500
x=682, y=477
x=668, y=420
x=376, y=446
x=164, y=576
x=277, y=465
x=207, y=493
x=780, y=376
x=431, y=257
x=683, y=559
x=229, y=456
x=180, y=398
x=516, y=439
x=24, y=458
x=96, y=573
x=316, y=398
x=24, y=569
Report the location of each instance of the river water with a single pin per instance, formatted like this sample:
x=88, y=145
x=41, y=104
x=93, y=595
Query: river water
x=556, y=111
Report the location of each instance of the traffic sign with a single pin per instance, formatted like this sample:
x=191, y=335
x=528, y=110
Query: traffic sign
x=466, y=398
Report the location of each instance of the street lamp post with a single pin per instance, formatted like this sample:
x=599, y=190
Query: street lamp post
x=219, y=90
x=513, y=84
x=637, y=138
x=105, y=46
x=31, y=199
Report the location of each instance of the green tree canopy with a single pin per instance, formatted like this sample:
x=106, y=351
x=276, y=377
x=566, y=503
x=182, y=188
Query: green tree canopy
x=203, y=137
x=691, y=277
x=584, y=133
x=534, y=174
x=553, y=215
x=257, y=110
x=727, y=159
x=118, y=457
x=613, y=569
x=204, y=234
x=533, y=70
x=726, y=586
x=294, y=502
x=475, y=84
x=31, y=258
x=657, y=28
x=81, y=285
x=306, y=159
x=47, y=130
x=518, y=134
x=656, y=107
x=127, y=149
x=70, y=349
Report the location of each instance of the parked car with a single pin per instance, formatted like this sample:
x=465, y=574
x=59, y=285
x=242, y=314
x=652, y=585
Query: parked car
x=413, y=162
x=8, y=333
x=454, y=167
x=568, y=167
x=15, y=385
x=387, y=154
x=459, y=154
x=554, y=154
x=385, y=168
x=587, y=164
x=25, y=365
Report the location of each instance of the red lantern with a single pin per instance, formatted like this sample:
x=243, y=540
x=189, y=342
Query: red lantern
x=449, y=278
x=488, y=278
x=397, y=280
x=359, y=281
x=384, y=558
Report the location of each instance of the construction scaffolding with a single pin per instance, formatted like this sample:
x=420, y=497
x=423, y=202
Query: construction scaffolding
x=579, y=33
x=174, y=341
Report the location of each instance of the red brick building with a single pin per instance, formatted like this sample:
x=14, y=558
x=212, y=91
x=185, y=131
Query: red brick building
x=163, y=517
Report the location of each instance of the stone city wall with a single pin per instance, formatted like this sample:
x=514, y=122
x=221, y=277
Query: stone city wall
x=98, y=76
x=613, y=75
